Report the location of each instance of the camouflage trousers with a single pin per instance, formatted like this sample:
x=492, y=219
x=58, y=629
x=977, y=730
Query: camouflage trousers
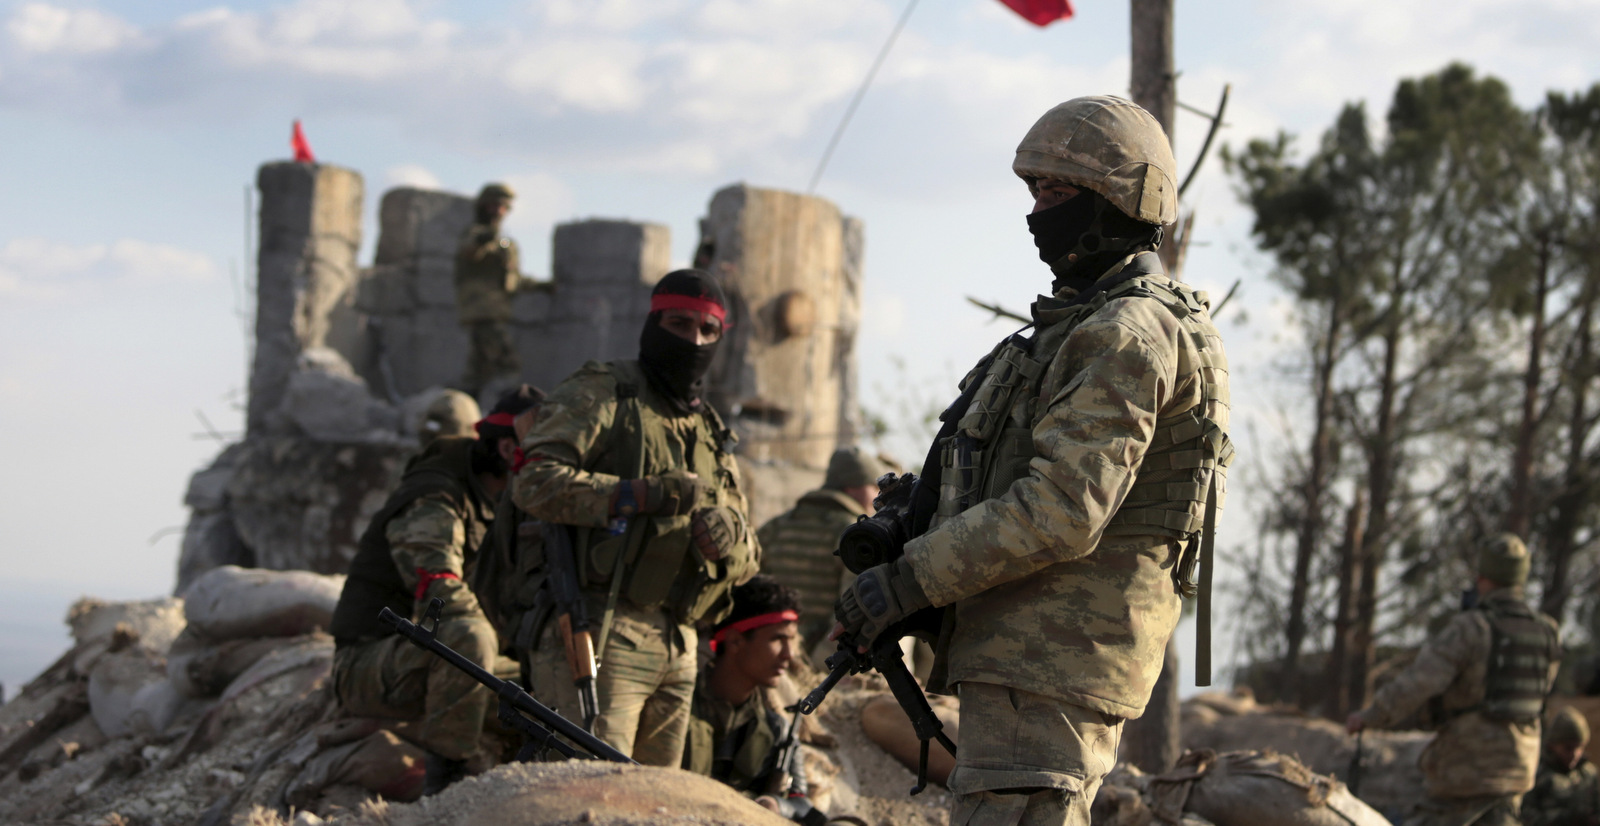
x=1488, y=810
x=492, y=355
x=1028, y=760
x=644, y=685
x=391, y=677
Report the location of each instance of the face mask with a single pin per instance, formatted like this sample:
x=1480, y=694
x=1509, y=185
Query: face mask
x=676, y=367
x=1059, y=229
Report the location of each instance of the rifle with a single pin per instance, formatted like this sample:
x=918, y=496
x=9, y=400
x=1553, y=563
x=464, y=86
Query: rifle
x=514, y=702
x=573, y=618
x=787, y=782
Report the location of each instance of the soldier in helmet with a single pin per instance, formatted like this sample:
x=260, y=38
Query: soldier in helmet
x=797, y=546
x=630, y=457
x=1567, y=790
x=451, y=413
x=487, y=274
x=1487, y=673
x=421, y=546
x=1073, y=477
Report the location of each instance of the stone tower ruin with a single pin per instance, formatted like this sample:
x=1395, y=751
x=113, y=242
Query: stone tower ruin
x=347, y=357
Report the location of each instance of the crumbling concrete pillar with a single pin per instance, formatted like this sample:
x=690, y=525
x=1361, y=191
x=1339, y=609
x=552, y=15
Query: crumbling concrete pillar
x=310, y=230
x=603, y=272
x=785, y=375
x=409, y=294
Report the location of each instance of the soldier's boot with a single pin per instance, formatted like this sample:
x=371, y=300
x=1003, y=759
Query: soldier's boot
x=440, y=772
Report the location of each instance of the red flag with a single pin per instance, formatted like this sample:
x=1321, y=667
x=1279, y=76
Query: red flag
x=301, y=146
x=1041, y=12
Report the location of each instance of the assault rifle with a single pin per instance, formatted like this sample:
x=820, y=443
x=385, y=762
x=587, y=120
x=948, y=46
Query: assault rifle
x=573, y=617
x=787, y=783
x=514, y=702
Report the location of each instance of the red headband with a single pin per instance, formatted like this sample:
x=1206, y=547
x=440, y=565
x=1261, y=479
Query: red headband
x=502, y=419
x=670, y=301
x=749, y=623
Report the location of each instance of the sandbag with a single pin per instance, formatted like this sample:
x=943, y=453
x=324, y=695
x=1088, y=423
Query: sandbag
x=1255, y=788
x=115, y=682
x=887, y=725
x=198, y=667
x=230, y=602
x=381, y=763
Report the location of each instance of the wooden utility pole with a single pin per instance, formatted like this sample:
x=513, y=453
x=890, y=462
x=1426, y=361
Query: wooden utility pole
x=1151, y=742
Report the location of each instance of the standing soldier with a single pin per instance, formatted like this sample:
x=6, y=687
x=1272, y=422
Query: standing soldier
x=487, y=275
x=1487, y=674
x=632, y=459
x=1567, y=790
x=1074, y=478
x=420, y=546
x=797, y=546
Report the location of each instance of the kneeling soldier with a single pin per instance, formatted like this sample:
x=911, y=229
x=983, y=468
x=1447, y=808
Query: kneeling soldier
x=419, y=547
x=736, y=735
x=1567, y=790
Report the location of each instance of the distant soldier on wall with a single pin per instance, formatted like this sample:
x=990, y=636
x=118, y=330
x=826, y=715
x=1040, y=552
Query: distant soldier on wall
x=1567, y=790
x=487, y=275
x=420, y=546
x=797, y=546
x=1488, y=673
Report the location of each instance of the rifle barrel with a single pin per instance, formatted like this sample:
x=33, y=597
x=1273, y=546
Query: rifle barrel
x=506, y=690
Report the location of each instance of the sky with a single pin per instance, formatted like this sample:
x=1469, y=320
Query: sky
x=131, y=133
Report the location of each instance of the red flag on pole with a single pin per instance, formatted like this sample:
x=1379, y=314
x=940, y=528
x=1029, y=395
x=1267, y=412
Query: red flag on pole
x=1041, y=12
x=301, y=146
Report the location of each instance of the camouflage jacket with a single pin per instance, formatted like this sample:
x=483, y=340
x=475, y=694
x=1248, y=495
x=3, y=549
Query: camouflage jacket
x=487, y=274
x=1057, y=589
x=736, y=744
x=1472, y=755
x=431, y=524
x=586, y=441
x=797, y=547
x=1563, y=796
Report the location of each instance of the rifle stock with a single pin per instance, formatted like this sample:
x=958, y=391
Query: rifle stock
x=546, y=721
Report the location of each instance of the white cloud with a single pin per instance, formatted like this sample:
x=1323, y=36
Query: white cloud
x=42, y=28
x=40, y=268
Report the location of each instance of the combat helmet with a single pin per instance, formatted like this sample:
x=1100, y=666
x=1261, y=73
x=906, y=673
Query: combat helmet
x=496, y=192
x=1503, y=559
x=1109, y=145
x=851, y=467
x=1567, y=728
x=451, y=413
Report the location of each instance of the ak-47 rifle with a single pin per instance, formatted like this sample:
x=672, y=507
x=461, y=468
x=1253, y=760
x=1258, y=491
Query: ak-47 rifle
x=514, y=702
x=787, y=780
x=872, y=541
x=572, y=616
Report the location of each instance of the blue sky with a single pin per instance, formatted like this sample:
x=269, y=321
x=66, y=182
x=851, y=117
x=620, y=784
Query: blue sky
x=130, y=132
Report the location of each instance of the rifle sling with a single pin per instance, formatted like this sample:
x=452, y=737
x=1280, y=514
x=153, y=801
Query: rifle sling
x=627, y=396
x=1202, y=608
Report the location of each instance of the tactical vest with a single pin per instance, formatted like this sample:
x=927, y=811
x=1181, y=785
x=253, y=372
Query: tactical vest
x=797, y=548
x=444, y=468
x=652, y=562
x=745, y=758
x=993, y=441
x=1521, y=650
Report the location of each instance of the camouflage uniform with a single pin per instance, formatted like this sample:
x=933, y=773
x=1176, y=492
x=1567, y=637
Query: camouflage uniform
x=1476, y=767
x=797, y=548
x=488, y=274
x=432, y=523
x=1563, y=796
x=1073, y=483
x=603, y=425
x=735, y=744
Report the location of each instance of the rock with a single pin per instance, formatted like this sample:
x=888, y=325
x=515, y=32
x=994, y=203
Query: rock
x=326, y=401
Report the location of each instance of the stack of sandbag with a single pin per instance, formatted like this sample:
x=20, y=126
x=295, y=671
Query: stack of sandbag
x=237, y=615
x=1236, y=788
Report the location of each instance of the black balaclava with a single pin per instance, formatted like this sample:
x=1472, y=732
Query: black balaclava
x=1088, y=226
x=675, y=366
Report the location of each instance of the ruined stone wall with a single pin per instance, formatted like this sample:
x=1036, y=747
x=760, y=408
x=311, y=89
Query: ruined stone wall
x=348, y=358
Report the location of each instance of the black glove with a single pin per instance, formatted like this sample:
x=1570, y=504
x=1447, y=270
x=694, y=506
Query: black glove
x=880, y=597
